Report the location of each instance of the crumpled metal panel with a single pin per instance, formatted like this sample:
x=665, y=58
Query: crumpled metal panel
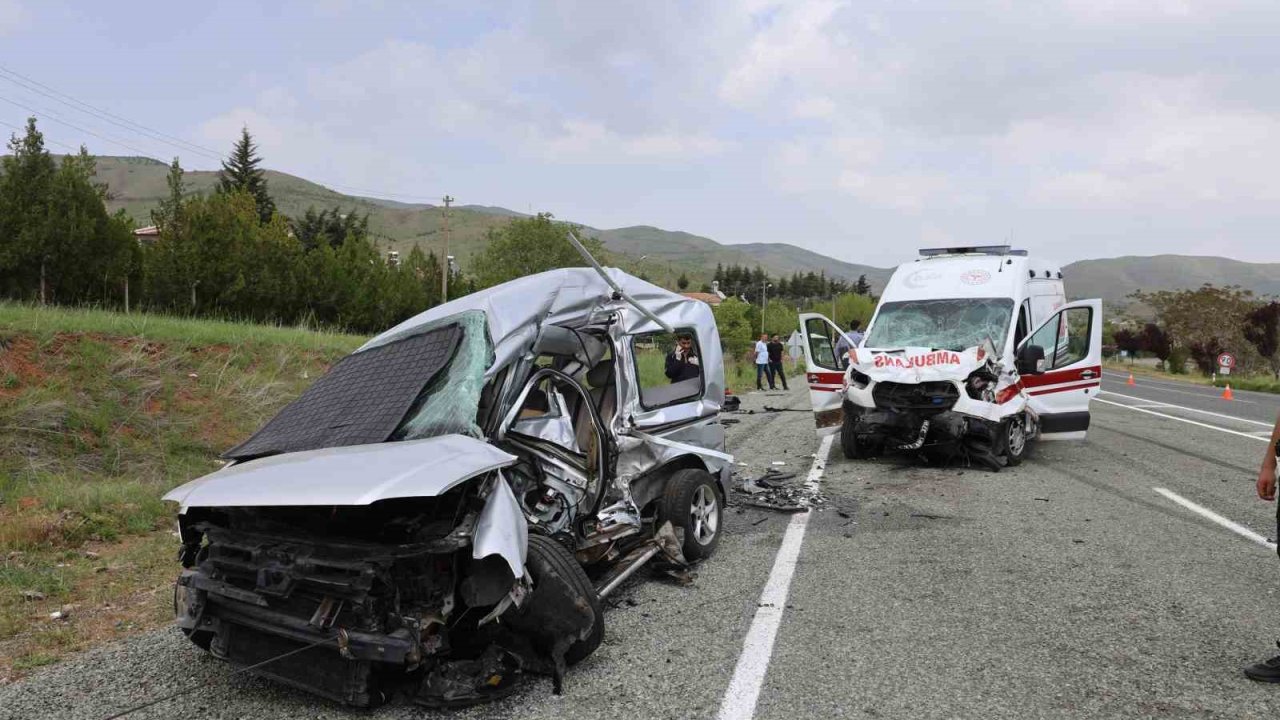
x=355, y=475
x=361, y=400
x=574, y=298
x=501, y=529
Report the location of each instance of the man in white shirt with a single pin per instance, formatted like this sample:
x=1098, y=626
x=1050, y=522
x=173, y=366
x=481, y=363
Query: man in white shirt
x=762, y=362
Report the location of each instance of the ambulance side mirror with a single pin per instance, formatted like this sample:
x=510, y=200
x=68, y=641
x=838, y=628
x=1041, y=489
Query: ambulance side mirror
x=1030, y=360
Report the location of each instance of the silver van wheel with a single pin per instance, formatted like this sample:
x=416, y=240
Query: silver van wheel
x=704, y=514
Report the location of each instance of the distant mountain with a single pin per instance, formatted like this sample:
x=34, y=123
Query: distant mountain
x=138, y=185
x=1112, y=279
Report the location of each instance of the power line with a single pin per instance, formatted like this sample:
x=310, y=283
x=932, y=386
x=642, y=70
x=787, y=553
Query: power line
x=50, y=116
x=125, y=123
x=48, y=140
x=149, y=133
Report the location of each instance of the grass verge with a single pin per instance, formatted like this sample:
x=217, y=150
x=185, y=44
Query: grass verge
x=100, y=414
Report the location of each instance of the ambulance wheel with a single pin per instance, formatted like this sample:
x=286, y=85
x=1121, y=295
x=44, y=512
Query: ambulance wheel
x=853, y=448
x=1013, y=443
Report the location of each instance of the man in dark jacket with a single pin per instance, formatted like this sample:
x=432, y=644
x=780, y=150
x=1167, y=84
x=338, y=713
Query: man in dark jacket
x=775, y=360
x=683, y=363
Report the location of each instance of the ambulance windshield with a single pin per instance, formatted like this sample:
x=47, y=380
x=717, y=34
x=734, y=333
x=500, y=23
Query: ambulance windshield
x=956, y=324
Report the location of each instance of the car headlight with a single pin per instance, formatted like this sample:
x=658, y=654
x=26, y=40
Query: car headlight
x=859, y=380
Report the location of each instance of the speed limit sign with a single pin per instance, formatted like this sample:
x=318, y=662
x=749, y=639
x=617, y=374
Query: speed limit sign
x=1226, y=361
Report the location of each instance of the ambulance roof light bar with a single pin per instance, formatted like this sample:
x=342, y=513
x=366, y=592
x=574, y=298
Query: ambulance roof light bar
x=972, y=250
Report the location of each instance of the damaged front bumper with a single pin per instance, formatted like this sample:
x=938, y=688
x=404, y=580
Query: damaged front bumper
x=355, y=621
x=935, y=418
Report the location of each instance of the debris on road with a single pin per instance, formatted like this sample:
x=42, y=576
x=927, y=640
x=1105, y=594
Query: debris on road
x=772, y=491
x=32, y=595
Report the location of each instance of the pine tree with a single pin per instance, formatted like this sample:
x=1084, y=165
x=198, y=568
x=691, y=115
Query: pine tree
x=682, y=282
x=26, y=182
x=863, y=287
x=240, y=172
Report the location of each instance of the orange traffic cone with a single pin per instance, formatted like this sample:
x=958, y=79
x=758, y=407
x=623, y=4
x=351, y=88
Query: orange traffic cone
x=1226, y=394
x=1130, y=381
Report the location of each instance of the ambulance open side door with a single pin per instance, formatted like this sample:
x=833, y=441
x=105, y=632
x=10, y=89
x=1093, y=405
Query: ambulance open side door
x=1072, y=370
x=823, y=371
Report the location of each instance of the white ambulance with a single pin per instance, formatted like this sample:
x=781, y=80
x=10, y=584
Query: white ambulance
x=973, y=353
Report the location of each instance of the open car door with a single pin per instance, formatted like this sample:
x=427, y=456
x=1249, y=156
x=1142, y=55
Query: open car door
x=1072, y=341
x=823, y=371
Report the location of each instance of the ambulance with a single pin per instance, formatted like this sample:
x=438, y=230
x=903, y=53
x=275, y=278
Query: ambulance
x=973, y=354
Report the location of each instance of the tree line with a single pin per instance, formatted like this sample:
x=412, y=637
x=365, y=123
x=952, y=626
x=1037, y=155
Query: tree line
x=749, y=283
x=229, y=254
x=232, y=254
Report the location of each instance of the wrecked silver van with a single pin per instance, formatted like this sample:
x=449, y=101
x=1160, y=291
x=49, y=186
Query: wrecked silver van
x=445, y=508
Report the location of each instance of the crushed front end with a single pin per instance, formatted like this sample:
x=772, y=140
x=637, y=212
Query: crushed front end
x=945, y=405
x=353, y=603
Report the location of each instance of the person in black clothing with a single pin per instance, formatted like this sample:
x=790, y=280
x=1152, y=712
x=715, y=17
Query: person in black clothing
x=683, y=363
x=775, y=360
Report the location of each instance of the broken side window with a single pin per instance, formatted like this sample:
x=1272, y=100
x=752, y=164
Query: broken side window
x=669, y=366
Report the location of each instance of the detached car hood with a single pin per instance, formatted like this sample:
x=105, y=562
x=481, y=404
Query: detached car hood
x=353, y=475
x=917, y=364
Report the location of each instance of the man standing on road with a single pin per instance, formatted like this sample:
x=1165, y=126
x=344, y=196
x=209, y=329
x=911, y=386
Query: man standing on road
x=762, y=362
x=847, y=341
x=775, y=361
x=1268, y=670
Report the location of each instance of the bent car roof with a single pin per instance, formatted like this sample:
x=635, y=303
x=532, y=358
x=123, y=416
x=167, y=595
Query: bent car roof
x=570, y=297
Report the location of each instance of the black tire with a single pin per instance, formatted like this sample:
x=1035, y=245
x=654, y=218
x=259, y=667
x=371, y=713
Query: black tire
x=701, y=524
x=1014, y=452
x=546, y=556
x=853, y=448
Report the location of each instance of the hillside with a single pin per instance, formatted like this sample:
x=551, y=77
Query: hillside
x=138, y=186
x=1113, y=279
x=100, y=414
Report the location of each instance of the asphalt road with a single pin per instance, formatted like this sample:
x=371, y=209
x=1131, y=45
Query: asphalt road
x=1067, y=587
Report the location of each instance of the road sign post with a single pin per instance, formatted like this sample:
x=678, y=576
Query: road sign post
x=1226, y=361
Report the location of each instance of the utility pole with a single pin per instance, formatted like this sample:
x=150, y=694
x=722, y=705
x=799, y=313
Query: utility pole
x=444, y=259
x=764, y=302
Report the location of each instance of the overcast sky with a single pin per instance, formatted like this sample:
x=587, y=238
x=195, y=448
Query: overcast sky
x=1089, y=128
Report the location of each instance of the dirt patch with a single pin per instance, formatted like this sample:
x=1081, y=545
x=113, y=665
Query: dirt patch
x=19, y=366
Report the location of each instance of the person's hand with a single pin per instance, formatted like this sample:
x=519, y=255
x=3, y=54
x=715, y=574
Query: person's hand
x=1267, y=483
x=693, y=360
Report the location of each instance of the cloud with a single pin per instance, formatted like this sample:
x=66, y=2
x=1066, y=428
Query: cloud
x=1150, y=123
x=12, y=16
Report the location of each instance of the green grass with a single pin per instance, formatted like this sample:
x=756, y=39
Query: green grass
x=101, y=413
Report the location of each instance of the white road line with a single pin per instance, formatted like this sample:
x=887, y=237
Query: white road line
x=1170, y=387
x=748, y=677
x=1189, y=422
x=1146, y=402
x=1234, y=527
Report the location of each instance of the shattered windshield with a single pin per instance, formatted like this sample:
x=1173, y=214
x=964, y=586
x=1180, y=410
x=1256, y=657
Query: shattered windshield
x=954, y=324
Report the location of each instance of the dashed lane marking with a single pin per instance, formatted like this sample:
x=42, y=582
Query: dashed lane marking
x=753, y=664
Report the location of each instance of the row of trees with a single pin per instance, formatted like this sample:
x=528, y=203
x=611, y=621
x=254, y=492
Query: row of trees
x=228, y=254
x=740, y=281
x=232, y=254
x=1203, y=323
